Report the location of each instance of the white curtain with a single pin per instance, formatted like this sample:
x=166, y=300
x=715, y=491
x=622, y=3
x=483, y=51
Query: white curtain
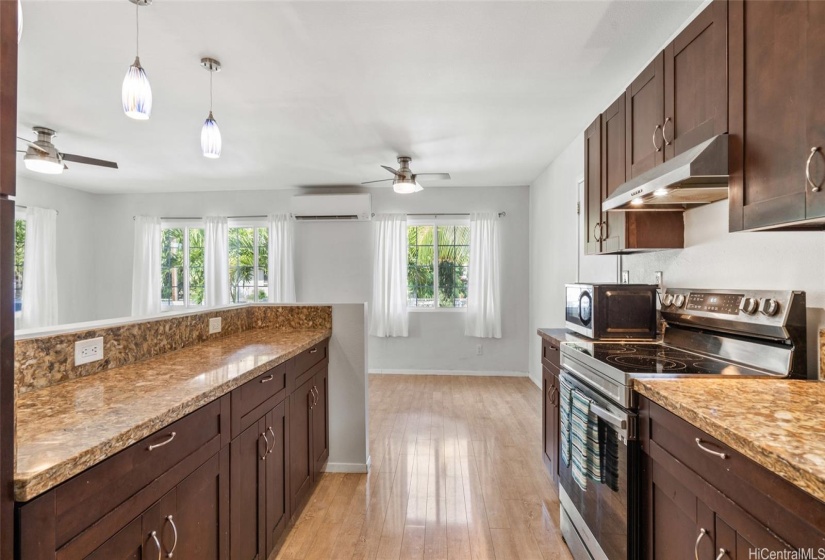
x=146, y=279
x=39, y=298
x=281, y=267
x=388, y=313
x=216, y=261
x=483, y=318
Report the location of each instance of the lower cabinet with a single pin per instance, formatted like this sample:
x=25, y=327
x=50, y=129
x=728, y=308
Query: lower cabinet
x=550, y=368
x=308, y=433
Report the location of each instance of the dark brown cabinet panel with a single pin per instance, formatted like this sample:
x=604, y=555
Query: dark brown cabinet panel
x=320, y=422
x=776, y=114
x=127, y=544
x=592, y=188
x=645, y=107
x=696, y=82
x=301, y=465
x=247, y=495
x=200, y=528
x=277, y=481
x=550, y=407
x=614, y=172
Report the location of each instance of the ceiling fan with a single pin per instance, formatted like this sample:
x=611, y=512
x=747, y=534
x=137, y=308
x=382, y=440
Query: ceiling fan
x=42, y=157
x=404, y=181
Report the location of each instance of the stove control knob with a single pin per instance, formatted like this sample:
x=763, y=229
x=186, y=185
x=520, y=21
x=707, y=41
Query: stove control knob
x=667, y=301
x=749, y=305
x=770, y=307
x=679, y=300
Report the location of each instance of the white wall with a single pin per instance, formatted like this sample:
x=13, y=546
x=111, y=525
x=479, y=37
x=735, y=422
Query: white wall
x=76, y=244
x=334, y=265
x=712, y=258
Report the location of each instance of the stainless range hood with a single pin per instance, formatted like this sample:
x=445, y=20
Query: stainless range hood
x=695, y=177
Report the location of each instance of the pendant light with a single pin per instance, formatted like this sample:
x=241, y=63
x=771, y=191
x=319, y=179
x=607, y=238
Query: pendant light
x=19, y=21
x=210, y=133
x=136, y=94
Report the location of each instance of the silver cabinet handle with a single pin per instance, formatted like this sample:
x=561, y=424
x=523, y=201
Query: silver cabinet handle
x=174, y=534
x=722, y=554
x=606, y=231
x=154, y=536
x=317, y=394
x=597, y=236
x=266, y=445
x=702, y=533
x=656, y=146
x=311, y=396
x=719, y=454
x=313, y=350
x=270, y=377
x=814, y=186
x=271, y=431
x=161, y=444
x=664, y=128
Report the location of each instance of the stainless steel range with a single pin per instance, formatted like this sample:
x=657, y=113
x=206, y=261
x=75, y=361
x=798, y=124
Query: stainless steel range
x=727, y=333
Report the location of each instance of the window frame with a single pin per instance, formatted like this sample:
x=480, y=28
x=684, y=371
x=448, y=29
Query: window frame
x=20, y=215
x=255, y=224
x=436, y=221
x=185, y=225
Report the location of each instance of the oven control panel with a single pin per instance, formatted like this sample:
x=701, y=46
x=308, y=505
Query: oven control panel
x=726, y=304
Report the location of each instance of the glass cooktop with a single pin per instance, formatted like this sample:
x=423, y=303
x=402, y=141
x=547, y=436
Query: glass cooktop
x=656, y=358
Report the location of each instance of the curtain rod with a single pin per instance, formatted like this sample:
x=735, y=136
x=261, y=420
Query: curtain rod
x=174, y=218
x=26, y=208
x=500, y=214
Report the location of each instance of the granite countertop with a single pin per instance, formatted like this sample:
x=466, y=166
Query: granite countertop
x=776, y=423
x=65, y=429
x=561, y=335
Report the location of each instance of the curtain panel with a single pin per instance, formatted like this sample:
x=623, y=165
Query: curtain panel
x=388, y=311
x=281, y=263
x=216, y=261
x=483, y=319
x=39, y=297
x=146, y=276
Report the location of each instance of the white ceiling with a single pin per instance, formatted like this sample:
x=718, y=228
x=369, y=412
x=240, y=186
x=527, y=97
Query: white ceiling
x=321, y=93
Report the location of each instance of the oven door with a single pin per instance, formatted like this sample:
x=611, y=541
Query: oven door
x=601, y=522
x=579, y=309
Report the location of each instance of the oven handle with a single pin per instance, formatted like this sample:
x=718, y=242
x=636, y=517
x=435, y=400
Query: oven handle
x=609, y=417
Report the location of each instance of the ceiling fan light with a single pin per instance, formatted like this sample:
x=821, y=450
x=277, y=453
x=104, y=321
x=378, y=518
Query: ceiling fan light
x=405, y=186
x=137, y=93
x=211, y=138
x=43, y=163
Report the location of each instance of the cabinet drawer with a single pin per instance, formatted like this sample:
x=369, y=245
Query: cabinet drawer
x=793, y=514
x=551, y=357
x=252, y=400
x=307, y=360
x=86, y=498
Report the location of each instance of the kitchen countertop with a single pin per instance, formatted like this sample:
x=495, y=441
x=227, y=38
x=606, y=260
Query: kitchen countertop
x=776, y=423
x=65, y=429
x=561, y=335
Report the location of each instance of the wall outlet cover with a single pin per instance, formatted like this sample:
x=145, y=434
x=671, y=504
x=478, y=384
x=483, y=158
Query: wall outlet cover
x=88, y=351
x=625, y=277
x=214, y=325
x=479, y=350
x=658, y=279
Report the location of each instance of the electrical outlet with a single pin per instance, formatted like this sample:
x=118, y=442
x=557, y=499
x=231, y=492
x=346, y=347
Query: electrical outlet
x=625, y=277
x=214, y=325
x=88, y=351
x=658, y=278
x=479, y=350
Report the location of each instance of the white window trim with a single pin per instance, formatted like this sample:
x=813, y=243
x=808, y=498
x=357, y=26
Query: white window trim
x=436, y=221
x=185, y=225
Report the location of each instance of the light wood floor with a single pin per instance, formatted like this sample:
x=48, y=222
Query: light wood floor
x=456, y=473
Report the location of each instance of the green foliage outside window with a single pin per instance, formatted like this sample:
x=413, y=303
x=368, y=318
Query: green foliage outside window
x=452, y=245
x=19, y=255
x=247, y=278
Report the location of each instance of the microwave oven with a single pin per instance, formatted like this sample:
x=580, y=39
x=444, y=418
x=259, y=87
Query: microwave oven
x=612, y=311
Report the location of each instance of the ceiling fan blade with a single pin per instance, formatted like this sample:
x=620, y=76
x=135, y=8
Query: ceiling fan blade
x=433, y=176
x=89, y=161
x=393, y=171
x=378, y=181
x=33, y=145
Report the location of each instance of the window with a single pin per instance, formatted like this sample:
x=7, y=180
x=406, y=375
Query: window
x=19, y=255
x=438, y=258
x=248, y=252
x=181, y=266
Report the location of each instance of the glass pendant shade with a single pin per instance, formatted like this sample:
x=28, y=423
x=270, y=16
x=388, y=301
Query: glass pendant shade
x=137, y=93
x=211, y=138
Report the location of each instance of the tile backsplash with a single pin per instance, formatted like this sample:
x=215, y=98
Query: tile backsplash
x=45, y=361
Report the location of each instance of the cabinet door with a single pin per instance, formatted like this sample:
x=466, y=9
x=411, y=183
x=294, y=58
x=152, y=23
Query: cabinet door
x=614, y=171
x=592, y=187
x=320, y=422
x=645, y=107
x=200, y=527
x=551, y=422
x=247, y=496
x=815, y=204
x=300, y=438
x=696, y=81
x=277, y=489
x=127, y=544
x=768, y=112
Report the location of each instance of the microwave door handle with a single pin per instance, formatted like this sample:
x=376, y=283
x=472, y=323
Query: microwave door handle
x=609, y=417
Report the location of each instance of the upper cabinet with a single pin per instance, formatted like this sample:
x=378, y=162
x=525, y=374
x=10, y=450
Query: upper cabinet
x=592, y=187
x=645, y=100
x=777, y=116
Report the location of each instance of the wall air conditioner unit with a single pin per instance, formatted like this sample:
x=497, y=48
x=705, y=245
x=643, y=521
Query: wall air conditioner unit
x=332, y=207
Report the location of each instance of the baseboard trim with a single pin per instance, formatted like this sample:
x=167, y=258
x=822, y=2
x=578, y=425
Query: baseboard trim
x=360, y=468
x=536, y=381
x=449, y=372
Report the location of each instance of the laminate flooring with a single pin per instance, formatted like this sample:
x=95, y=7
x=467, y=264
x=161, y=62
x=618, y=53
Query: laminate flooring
x=456, y=473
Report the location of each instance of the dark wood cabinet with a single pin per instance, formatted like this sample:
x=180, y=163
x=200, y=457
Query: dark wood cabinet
x=645, y=108
x=248, y=496
x=320, y=422
x=277, y=480
x=301, y=465
x=592, y=188
x=776, y=115
x=126, y=544
x=201, y=524
x=550, y=366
